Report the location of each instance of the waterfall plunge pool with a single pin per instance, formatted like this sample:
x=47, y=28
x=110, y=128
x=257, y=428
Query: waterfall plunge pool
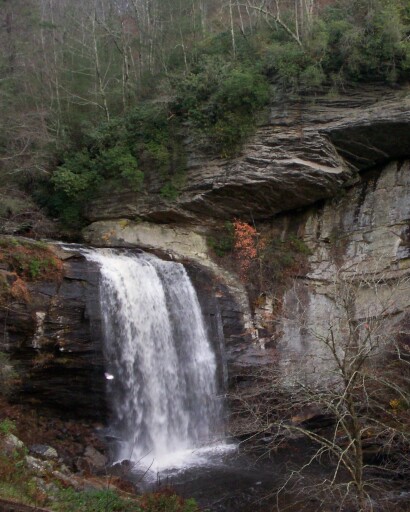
x=162, y=384
x=167, y=416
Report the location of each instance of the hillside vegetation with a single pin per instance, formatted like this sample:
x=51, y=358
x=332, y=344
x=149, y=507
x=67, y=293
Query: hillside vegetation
x=101, y=95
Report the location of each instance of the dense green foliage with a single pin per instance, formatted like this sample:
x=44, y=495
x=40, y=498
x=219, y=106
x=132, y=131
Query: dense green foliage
x=93, y=501
x=367, y=41
x=219, y=99
x=117, y=155
x=96, y=98
x=352, y=41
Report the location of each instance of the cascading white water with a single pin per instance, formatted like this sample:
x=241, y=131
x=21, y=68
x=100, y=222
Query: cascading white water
x=161, y=362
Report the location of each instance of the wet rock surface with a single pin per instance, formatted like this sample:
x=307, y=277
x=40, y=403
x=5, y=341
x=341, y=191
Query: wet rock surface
x=224, y=300
x=44, y=451
x=53, y=340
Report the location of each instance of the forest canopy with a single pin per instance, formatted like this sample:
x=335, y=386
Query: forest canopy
x=98, y=94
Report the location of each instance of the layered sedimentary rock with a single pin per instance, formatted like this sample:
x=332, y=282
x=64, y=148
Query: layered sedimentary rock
x=53, y=340
x=307, y=151
x=360, y=239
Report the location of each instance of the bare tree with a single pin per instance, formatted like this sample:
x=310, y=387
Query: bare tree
x=359, y=380
x=295, y=18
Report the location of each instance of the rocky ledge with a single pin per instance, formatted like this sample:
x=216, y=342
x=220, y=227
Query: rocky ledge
x=307, y=151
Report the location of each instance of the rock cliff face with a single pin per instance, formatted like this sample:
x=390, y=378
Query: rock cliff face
x=361, y=238
x=339, y=163
x=306, y=151
x=52, y=335
x=54, y=341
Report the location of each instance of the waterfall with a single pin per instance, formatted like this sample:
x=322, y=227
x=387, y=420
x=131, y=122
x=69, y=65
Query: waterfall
x=160, y=363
